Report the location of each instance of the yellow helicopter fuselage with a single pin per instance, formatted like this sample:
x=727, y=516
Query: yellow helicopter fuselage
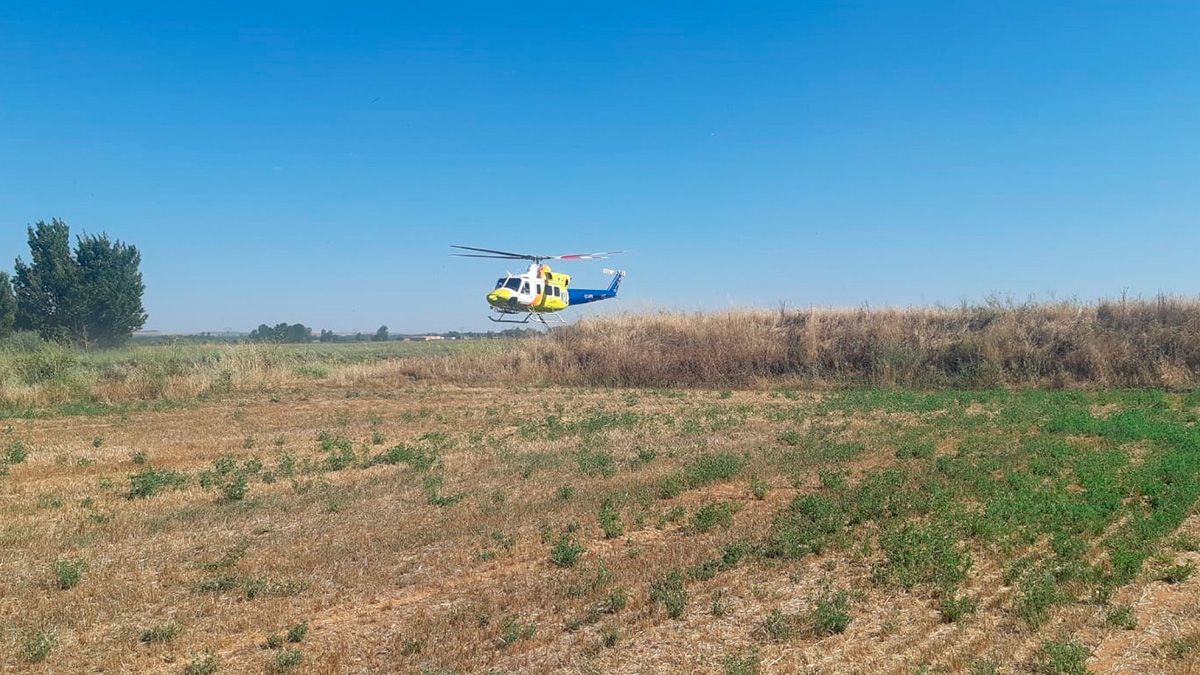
x=539, y=290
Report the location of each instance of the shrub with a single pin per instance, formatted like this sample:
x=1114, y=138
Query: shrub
x=15, y=453
x=758, y=488
x=411, y=646
x=1180, y=646
x=921, y=450
x=616, y=601
x=514, y=629
x=733, y=553
x=1186, y=542
x=713, y=515
x=288, y=658
x=566, y=551
x=1121, y=616
x=747, y=664
x=705, y=570
x=712, y=467
x=418, y=459
x=433, y=493
x=68, y=573
x=234, y=490
x=1038, y=594
x=151, y=481
x=955, y=608
x=161, y=633
x=218, y=584
x=669, y=590
x=808, y=525
x=831, y=613
x=36, y=646
x=778, y=626
x=923, y=554
x=202, y=664
x=340, y=458
x=671, y=486
x=610, y=520
x=831, y=480
x=1064, y=658
x=298, y=632
x=596, y=462
x=1176, y=574
x=644, y=456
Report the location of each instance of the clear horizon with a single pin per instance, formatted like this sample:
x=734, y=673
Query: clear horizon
x=313, y=164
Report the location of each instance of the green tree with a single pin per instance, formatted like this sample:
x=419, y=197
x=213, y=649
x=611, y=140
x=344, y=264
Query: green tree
x=281, y=332
x=89, y=297
x=298, y=333
x=111, y=287
x=47, y=288
x=8, y=306
x=380, y=335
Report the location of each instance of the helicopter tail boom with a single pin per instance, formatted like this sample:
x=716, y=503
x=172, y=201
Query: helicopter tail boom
x=582, y=296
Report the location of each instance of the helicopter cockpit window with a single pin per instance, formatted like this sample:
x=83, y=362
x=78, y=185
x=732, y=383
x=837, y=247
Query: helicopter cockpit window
x=510, y=283
x=524, y=288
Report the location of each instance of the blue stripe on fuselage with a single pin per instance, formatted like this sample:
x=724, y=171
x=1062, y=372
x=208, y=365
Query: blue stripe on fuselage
x=582, y=296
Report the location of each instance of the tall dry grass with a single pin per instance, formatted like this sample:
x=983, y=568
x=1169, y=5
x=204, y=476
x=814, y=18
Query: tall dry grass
x=1123, y=343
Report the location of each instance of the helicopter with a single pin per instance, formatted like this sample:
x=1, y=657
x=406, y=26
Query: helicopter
x=540, y=291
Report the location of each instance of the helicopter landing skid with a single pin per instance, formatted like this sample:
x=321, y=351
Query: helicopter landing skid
x=531, y=315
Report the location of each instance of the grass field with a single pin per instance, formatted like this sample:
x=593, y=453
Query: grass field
x=39, y=378
x=355, y=519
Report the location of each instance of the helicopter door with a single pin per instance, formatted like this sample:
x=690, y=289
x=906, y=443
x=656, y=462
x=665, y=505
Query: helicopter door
x=525, y=295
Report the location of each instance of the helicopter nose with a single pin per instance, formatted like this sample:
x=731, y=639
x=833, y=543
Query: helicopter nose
x=500, y=296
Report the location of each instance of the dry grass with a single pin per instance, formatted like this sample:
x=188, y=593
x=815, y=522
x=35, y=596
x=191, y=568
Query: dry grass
x=36, y=375
x=1121, y=343
x=1127, y=343
x=392, y=573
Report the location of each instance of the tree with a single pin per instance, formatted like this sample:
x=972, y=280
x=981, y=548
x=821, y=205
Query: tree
x=90, y=297
x=112, y=289
x=381, y=335
x=282, y=332
x=47, y=288
x=298, y=333
x=8, y=306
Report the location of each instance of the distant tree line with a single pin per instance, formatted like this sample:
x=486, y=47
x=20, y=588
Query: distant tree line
x=282, y=332
x=90, y=296
x=380, y=335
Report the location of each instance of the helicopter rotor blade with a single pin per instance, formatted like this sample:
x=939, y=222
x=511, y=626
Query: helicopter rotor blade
x=584, y=256
x=507, y=254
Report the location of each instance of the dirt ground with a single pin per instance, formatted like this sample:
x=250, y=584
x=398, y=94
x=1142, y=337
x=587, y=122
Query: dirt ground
x=441, y=559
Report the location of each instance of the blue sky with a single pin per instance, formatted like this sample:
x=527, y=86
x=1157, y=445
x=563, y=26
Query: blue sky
x=312, y=162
